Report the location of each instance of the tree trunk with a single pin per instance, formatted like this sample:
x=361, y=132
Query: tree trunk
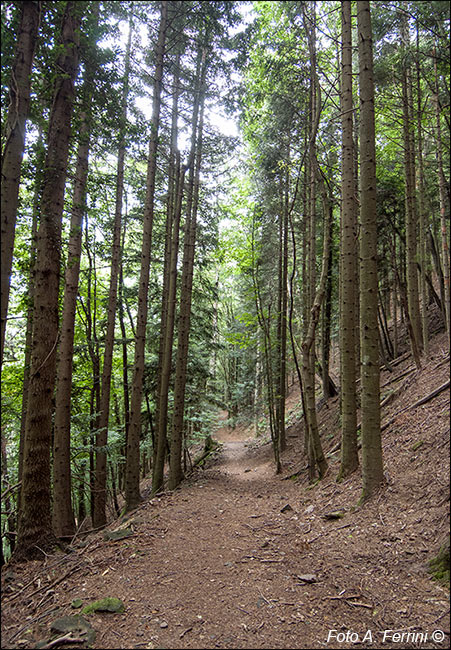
x=442, y=195
x=132, y=494
x=169, y=295
x=103, y=417
x=372, y=467
x=90, y=324
x=421, y=209
x=40, y=158
x=63, y=516
x=7, y=503
x=12, y=154
x=317, y=460
x=349, y=455
x=35, y=522
x=411, y=206
x=124, y=354
x=282, y=308
x=175, y=468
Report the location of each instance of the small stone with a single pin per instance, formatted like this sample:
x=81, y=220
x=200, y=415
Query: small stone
x=307, y=577
x=309, y=509
x=286, y=508
x=163, y=624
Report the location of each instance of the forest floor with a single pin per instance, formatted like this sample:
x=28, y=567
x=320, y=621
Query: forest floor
x=239, y=557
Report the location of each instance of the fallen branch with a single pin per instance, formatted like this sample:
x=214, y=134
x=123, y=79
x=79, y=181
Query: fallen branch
x=52, y=584
x=400, y=376
x=434, y=393
x=396, y=392
x=349, y=602
x=423, y=400
x=67, y=638
x=400, y=359
x=188, y=629
x=33, y=620
x=342, y=597
x=384, y=402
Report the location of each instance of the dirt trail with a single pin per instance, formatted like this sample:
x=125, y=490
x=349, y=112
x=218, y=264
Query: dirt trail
x=238, y=557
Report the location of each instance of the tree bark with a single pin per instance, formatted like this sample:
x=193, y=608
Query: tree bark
x=13, y=150
x=372, y=466
x=103, y=417
x=40, y=159
x=132, y=494
x=34, y=528
x=442, y=195
x=176, y=184
x=348, y=241
x=63, y=516
x=317, y=460
x=422, y=209
x=411, y=206
x=175, y=467
x=282, y=307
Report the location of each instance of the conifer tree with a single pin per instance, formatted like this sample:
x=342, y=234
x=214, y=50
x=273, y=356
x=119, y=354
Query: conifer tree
x=35, y=529
x=132, y=494
x=372, y=466
x=13, y=149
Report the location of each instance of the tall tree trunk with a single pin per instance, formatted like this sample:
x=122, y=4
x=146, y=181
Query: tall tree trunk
x=265, y=327
x=63, y=516
x=103, y=417
x=317, y=460
x=282, y=308
x=348, y=246
x=411, y=203
x=35, y=521
x=329, y=388
x=442, y=195
x=12, y=154
x=132, y=494
x=124, y=354
x=184, y=323
x=7, y=504
x=421, y=208
x=92, y=340
x=40, y=158
x=372, y=466
x=169, y=295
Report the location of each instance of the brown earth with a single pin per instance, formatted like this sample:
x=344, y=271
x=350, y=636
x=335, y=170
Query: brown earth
x=239, y=557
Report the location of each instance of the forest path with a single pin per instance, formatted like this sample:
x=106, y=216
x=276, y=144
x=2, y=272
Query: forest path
x=239, y=557
x=237, y=457
x=204, y=569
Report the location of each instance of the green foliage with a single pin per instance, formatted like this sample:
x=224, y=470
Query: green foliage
x=261, y=73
